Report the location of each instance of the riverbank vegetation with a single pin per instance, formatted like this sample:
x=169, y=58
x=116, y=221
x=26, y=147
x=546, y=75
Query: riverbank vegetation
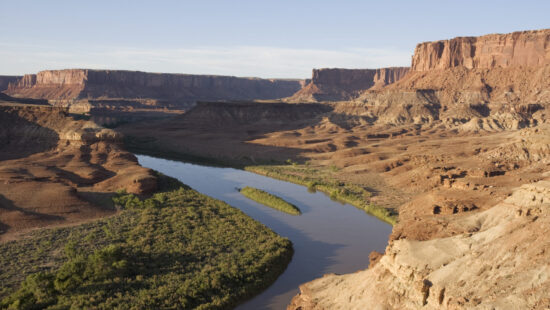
x=269, y=200
x=316, y=180
x=177, y=249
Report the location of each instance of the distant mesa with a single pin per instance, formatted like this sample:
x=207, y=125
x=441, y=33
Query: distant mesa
x=5, y=81
x=64, y=87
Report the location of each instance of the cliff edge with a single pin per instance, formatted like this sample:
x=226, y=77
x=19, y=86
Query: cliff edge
x=344, y=84
x=474, y=236
x=178, y=90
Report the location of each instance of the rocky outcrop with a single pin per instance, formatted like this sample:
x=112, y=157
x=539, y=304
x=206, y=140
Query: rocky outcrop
x=493, y=82
x=343, y=84
x=472, y=236
x=525, y=48
x=5, y=80
x=499, y=262
x=175, y=89
x=53, y=168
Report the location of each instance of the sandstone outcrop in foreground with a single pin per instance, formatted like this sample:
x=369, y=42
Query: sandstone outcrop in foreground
x=58, y=170
x=344, y=84
x=64, y=87
x=500, y=261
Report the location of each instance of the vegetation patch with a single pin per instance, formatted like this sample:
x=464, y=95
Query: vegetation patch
x=270, y=200
x=316, y=180
x=175, y=250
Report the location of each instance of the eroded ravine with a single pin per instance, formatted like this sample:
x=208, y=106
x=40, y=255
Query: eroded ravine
x=329, y=237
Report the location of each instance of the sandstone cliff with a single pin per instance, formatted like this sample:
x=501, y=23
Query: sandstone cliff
x=343, y=84
x=5, y=80
x=525, y=48
x=163, y=88
x=496, y=77
x=466, y=239
x=498, y=262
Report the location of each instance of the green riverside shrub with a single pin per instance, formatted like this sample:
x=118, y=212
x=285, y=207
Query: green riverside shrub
x=175, y=250
x=270, y=200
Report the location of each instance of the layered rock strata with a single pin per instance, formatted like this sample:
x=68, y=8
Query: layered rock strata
x=149, y=88
x=57, y=170
x=473, y=236
x=5, y=80
x=344, y=84
x=517, y=49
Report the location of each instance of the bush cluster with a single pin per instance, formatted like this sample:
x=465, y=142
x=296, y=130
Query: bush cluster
x=270, y=200
x=337, y=190
x=175, y=250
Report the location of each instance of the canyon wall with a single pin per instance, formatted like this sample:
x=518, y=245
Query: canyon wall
x=342, y=84
x=525, y=48
x=177, y=89
x=506, y=77
x=473, y=238
x=5, y=80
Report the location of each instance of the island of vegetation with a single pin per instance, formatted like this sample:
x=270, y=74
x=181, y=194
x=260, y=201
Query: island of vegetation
x=270, y=200
x=317, y=180
x=177, y=249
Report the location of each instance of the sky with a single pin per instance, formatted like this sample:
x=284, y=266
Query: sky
x=262, y=38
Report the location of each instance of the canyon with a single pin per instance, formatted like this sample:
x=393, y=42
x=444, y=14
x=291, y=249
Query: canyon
x=458, y=145
x=460, y=151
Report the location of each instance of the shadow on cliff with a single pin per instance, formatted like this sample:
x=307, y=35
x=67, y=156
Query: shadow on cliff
x=219, y=133
x=20, y=137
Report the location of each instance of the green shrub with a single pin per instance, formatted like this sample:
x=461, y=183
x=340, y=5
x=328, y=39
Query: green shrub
x=177, y=249
x=337, y=190
x=36, y=292
x=270, y=200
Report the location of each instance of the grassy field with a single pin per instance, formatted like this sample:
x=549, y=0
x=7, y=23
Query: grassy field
x=175, y=250
x=270, y=200
x=320, y=180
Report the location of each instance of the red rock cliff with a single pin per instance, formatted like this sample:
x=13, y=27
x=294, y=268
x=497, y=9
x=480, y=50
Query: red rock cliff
x=342, y=84
x=5, y=80
x=524, y=48
x=93, y=84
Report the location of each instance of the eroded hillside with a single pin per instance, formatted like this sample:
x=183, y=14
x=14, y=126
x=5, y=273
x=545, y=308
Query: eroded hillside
x=55, y=169
x=448, y=146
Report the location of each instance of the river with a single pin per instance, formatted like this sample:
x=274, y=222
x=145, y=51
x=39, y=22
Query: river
x=329, y=236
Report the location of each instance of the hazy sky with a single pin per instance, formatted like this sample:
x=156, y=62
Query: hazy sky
x=262, y=38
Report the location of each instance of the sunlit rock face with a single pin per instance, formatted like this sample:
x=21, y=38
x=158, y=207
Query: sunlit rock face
x=526, y=48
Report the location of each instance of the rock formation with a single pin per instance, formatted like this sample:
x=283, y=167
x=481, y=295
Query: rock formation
x=343, y=84
x=472, y=234
x=53, y=168
x=498, y=262
x=524, y=48
x=5, y=80
x=502, y=79
x=149, y=89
